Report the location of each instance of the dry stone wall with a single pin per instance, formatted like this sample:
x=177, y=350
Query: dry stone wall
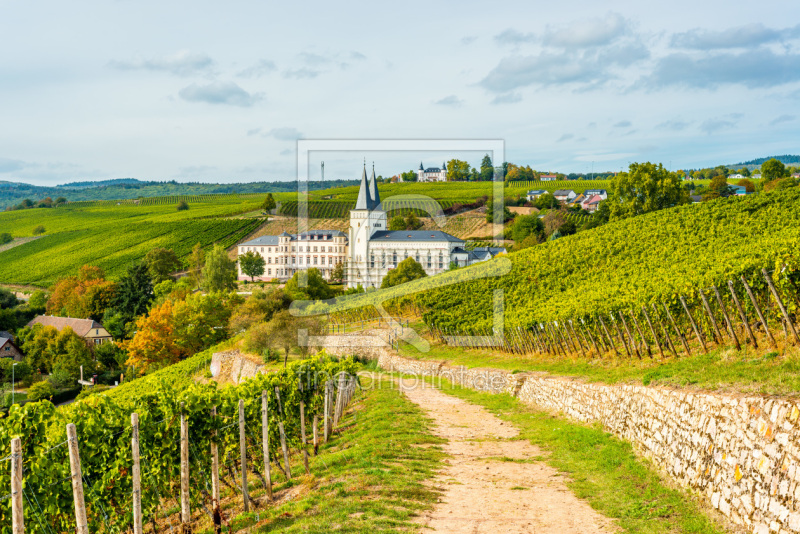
x=741, y=452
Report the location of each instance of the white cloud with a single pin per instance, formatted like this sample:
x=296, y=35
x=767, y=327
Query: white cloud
x=259, y=69
x=219, y=93
x=451, y=100
x=183, y=63
x=746, y=36
x=588, y=32
x=285, y=134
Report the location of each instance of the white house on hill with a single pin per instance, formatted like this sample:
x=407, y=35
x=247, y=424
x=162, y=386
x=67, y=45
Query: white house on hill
x=432, y=174
x=368, y=251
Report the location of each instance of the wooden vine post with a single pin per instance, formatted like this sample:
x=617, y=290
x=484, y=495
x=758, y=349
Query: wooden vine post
x=653, y=331
x=215, y=503
x=610, y=341
x=758, y=311
x=243, y=457
x=81, y=524
x=283, y=434
x=641, y=334
x=136, y=475
x=731, y=331
x=327, y=409
x=694, y=324
x=186, y=511
x=677, y=331
x=17, y=516
x=265, y=442
x=316, y=434
x=303, y=427
x=742, y=315
x=711, y=318
x=785, y=313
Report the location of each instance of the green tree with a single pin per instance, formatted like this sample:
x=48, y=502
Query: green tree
x=406, y=271
x=487, y=171
x=546, y=202
x=308, y=284
x=409, y=176
x=526, y=225
x=397, y=223
x=269, y=203
x=161, y=263
x=219, y=273
x=507, y=215
x=413, y=222
x=134, y=292
x=39, y=230
x=457, y=170
x=7, y=298
x=252, y=264
x=40, y=391
x=644, y=188
x=717, y=188
x=38, y=301
x=183, y=205
x=337, y=274
x=197, y=260
x=772, y=169
x=5, y=237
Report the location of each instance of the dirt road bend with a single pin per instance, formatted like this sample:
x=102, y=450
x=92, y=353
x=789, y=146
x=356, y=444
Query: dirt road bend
x=492, y=482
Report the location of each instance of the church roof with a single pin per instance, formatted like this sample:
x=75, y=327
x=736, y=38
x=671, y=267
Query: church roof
x=414, y=235
x=374, y=196
x=363, y=201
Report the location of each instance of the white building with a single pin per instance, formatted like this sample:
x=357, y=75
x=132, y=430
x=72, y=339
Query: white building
x=368, y=251
x=432, y=174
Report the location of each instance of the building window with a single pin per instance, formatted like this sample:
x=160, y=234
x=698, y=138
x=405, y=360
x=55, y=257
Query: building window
x=269, y=272
x=315, y=249
x=372, y=260
x=301, y=260
x=416, y=258
x=394, y=258
x=429, y=261
x=315, y=259
x=441, y=261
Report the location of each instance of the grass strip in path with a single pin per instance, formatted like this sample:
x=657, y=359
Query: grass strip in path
x=601, y=469
x=368, y=478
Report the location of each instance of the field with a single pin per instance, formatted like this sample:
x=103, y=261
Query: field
x=114, y=236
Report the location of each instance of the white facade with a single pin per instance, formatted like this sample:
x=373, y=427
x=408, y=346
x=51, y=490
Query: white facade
x=432, y=174
x=368, y=251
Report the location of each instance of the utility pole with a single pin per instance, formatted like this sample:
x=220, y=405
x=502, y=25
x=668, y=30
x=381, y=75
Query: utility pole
x=323, y=175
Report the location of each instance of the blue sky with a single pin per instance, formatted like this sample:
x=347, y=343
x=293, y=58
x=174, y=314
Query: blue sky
x=215, y=91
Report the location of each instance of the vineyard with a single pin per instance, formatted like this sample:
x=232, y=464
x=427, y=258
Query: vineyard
x=175, y=423
x=327, y=209
x=628, y=267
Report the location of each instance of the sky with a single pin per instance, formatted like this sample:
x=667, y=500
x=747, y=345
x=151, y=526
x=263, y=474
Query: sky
x=222, y=91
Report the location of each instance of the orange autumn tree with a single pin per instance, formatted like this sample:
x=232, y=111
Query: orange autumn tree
x=85, y=296
x=155, y=339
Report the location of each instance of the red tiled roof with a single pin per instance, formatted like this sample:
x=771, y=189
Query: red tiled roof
x=79, y=326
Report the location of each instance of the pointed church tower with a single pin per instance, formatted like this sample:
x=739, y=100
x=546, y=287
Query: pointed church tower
x=359, y=234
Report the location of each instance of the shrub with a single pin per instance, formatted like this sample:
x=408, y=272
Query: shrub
x=5, y=237
x=60, y=379
x=40, y=390
x=183, y=205
x=39, y=230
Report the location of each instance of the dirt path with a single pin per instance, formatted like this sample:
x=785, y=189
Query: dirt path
x=484, y=492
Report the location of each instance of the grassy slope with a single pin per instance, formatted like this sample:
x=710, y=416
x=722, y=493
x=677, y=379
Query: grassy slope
x=112, y=237
x=601, y=469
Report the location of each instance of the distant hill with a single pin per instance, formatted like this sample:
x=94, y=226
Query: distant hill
x=786, y=159
x=12, y=193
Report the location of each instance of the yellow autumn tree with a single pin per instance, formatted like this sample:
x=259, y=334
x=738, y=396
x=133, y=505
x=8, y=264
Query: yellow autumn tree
x=155, y=340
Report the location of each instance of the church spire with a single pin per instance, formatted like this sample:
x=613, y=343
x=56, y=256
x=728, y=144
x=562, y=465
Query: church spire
x=363, y=202
x=374, y=196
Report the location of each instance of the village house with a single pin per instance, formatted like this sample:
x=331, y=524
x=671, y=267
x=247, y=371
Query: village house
x=7, y=347
x=602, y=193
x=534, y=194
x=91, y=331
x=591, y=203
x=564, y=195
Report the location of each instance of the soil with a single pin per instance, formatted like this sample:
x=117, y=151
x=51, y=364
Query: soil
x=494, y=481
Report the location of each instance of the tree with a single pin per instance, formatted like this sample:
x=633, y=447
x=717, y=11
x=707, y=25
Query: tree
x=87, y=295
x=409, y=176
x=7, y=299
x=457, y=170
x=260, y=306
x=748, y=185
x=772, y=169
x=134, y=292
x=507, y=215
x=40, y=391
x=38, y=301
x=38, y=230
x=413, y=222
x=183, y=205
x=219, y=273
x=155, y=339
x=397, y=223
x=406, y=271
x=526, y=225
x=308, y=284
x=161, y=263
x=197, y=259
x=269, y=203
x=48, y=349
x=487, y=171
x=252, y=264
x=717, y=188
x=546, y=202
x=644, y=188
x=553, y=221
x=337, y=274
x=5, y=237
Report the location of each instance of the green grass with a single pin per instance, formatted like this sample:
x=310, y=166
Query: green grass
x=369, y=478
x=724, y=369
x=600, y=468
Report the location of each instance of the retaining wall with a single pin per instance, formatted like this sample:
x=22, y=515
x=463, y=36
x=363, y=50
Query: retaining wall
x=741, y=452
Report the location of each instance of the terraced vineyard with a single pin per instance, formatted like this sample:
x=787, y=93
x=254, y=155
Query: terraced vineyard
x=114, y=236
